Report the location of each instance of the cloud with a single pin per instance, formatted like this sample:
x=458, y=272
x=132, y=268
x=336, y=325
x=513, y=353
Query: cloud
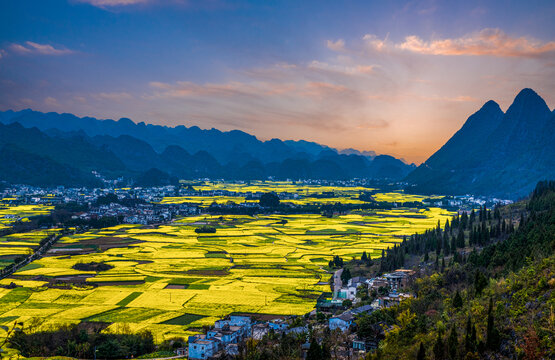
x=487, y=42
x=51, y=101
x=342, y=68
x=374, y=42
x=112, y=3
x=115, y=96
x=338, y=45
x=35, y=48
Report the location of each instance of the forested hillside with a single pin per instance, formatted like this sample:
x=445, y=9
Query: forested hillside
x=491, y=293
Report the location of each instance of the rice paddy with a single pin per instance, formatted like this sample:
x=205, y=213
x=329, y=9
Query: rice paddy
x=172, y=281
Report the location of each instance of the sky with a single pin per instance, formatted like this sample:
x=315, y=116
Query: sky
x=395, y=77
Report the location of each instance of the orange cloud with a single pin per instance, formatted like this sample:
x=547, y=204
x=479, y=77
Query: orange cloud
x=491, y=42
x=338, y=45
x=487, y=42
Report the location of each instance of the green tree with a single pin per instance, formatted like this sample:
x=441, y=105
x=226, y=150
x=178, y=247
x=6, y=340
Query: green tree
x=492, y=334
x=345, y=275
x=314, y=351
x=457, y=300
x=439, y=347
x=452, y=343
x=364, y=256
x=269, y=200
x=421, y=352
x=480, y=282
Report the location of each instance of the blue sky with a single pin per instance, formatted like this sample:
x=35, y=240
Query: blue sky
x=397, y=77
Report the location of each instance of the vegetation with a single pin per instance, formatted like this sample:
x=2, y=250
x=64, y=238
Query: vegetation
x=80, y=342
x=497, y=301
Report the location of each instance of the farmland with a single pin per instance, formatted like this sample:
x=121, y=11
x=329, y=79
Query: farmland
x=10, y=214
x=172, y=281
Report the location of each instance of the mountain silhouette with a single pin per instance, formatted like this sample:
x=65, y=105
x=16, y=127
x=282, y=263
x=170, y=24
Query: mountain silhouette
x=494, y=153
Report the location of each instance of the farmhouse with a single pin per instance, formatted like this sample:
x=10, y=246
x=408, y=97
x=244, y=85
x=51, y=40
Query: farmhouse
x=399, y=279
x=225, y=336
x=342, y=322
x=278, y=325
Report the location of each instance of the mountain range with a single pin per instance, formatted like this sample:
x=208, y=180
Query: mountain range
x=38, y=143
x=494, y=153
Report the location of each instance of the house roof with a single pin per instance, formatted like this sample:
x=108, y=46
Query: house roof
x=362, y=309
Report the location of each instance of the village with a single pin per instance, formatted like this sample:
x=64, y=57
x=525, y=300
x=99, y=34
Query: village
x=337, y=315
x=145, y=205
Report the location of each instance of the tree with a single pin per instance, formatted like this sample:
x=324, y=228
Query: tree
x=468, y=345
x=457, y=300
x=439, y=347
x=421, y=352
x=314, y=351
x=480, y=282
x=345, y=275
x=492, y=334
x=364, y=257
x=452, y=343
x=269, y=200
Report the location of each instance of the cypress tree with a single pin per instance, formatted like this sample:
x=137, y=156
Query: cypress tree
x=457, y=300
x=452, y=343
x=364, y=257
x=421, y=352
x=492, y=334
x=460, y=239
x=439, y=348
x=468, y=346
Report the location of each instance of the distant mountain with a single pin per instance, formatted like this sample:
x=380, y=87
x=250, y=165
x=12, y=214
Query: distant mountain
x=226, y=147
x=140, y=151
x=369, y=154
x=494, y=153
x=77, y=155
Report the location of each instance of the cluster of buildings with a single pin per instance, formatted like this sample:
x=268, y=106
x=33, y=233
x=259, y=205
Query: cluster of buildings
x=144, y=214
x=390, y=282
x=226, y=335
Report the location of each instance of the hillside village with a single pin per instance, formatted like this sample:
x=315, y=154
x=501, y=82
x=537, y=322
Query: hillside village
x=227, y=336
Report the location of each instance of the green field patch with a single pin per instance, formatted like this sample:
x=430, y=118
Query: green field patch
x=129, y=298
x=184, y=319
x=183, y=281
x=209, y=272
x=31, y=266
x=8, y=319
x=216, y=254
x=135, y=315
x=198, y=287
x=16, y=295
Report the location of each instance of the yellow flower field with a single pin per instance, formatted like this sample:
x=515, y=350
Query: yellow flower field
x=173, y=281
